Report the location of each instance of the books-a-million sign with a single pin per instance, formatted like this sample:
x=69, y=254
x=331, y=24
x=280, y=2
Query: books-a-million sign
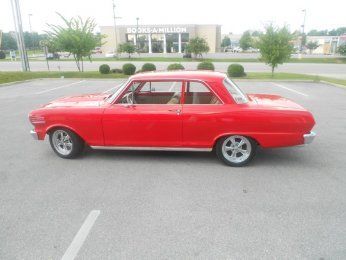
x=156, y=30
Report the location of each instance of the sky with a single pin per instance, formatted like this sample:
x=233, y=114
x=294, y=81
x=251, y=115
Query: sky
x=234, y=16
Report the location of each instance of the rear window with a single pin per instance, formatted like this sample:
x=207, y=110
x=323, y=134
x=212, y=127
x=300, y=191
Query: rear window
x=238, y=96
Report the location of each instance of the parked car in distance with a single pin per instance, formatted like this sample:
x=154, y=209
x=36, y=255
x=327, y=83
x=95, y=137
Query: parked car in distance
x=97, y=50
x=233, y=49
x=174, y=111
x=110, y=55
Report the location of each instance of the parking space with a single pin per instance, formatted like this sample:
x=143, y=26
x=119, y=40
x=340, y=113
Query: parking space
x=288, y=203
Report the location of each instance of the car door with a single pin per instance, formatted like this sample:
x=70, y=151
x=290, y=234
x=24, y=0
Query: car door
x=147, y=114
x=202, y=113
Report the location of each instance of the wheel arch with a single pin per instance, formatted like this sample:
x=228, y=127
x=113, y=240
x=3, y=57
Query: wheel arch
x=229, y=134
x=57, y=126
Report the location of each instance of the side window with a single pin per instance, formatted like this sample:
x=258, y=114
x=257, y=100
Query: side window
x=158, y=92
x=198, y=93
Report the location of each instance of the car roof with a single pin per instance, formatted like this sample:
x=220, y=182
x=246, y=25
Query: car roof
x=203, y=75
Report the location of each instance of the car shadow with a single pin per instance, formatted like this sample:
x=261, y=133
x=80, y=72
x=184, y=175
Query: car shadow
x=264, y=157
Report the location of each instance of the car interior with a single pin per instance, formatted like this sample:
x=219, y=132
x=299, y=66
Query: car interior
x=169, y=93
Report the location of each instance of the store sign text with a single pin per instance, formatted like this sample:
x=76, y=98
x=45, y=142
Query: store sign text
x=156, y=30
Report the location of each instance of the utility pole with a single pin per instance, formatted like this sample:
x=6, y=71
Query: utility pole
x=17, y=17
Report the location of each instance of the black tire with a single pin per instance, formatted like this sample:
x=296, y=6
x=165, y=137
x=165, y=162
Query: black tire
x=220, y=152
x=77, y=143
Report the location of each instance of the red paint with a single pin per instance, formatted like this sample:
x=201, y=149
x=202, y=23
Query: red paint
x=271, y=120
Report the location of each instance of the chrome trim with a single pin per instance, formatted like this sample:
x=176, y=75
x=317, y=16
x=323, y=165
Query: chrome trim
x=308, y=138
x=34, y=134
x=136, y=148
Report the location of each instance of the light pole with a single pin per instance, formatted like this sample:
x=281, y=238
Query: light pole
x=17, y=17
x=115, y=28
x=303, y=31
x=137, y=19
x=30, y=22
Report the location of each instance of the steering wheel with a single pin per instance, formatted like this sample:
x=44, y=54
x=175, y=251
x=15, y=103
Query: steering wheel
x=129, y=98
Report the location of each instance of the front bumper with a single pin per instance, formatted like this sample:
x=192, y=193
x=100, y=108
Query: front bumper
x=34, y=134
x=308, y=138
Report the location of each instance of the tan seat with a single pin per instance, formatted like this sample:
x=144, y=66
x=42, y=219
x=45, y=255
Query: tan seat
x=175, y=99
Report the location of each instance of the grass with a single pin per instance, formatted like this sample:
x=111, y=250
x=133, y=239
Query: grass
x=7, y=77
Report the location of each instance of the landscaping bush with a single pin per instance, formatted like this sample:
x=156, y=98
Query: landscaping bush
x=148, y=67
x=2, y=55
x=205, y=65
x=235, y=70
x=104, y=69
x=175, y=66
x=119, y=71
x=129, y=69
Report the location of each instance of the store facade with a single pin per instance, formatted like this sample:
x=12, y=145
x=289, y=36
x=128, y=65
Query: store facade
x=160, y=38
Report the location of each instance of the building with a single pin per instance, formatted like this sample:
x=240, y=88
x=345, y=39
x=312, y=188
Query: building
x=161, y=38
x=326, y=44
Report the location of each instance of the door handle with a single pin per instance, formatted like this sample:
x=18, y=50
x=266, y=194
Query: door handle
x=178, y=111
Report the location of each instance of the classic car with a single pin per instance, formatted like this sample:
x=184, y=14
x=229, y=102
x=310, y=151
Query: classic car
x=174, y=111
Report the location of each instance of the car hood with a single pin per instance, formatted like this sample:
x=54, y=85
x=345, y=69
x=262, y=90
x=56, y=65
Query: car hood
x=274, y=102
x=87, y=100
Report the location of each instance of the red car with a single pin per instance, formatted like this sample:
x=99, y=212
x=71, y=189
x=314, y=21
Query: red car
x=174, y=111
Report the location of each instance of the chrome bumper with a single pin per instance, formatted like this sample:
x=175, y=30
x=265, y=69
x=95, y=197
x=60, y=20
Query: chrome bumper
x=308, y=138
x=34, y=134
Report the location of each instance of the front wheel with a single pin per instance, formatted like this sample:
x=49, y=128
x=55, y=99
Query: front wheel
x=66, y=143
x=236, y=150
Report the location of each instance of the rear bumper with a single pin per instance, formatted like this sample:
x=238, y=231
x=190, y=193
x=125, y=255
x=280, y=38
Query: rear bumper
x=34, y=134
x=308, y=138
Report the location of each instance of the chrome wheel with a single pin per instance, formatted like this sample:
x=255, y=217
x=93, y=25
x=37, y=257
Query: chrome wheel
x=62, y=142
x=236, y=149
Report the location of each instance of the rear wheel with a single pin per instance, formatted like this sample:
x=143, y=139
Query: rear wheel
x=66, y=143
x=236, y=150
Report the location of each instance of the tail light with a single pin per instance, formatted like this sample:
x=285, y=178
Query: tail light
x=37, y=120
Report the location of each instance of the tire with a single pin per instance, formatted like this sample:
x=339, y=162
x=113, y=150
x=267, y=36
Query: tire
x=229, y=151
x=65, y=143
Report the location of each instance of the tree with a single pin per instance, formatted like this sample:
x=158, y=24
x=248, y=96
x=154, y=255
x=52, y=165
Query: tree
x=76, y=37
x=197, y=46
x=226, y=41
x=275, y=46
x=8, y=42
x=245, y=41
x=127, y=47
x=342, y=49
x=312, y=46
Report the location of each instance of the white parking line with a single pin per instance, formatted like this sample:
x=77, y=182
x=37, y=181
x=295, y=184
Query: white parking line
x=289, y=89
x=80, y=237
x=63, y=86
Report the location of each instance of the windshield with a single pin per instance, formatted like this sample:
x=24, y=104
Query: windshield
x=238, y=96
x=114, y=92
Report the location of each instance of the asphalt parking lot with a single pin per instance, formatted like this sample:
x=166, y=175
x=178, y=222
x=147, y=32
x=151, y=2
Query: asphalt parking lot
x=287, y=204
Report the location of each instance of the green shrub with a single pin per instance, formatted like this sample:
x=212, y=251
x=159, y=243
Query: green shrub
x=148, y=67
x=175, y=66
x=129, y=69
x=104, y=69
x=206, y=65
x=118, y=71
x=2, y=55
x=235, y=70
